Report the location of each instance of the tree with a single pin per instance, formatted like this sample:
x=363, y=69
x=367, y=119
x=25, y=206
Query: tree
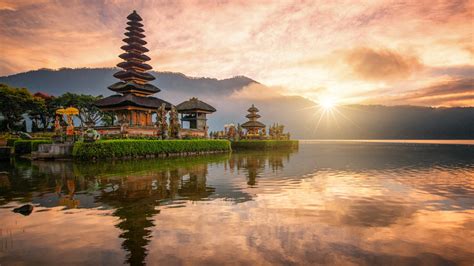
x=88, y=112
x=38, y=109
x=108, y=119
x=14, y=103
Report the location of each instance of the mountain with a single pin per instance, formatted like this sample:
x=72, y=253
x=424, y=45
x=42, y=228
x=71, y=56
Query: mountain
x=95, y=81
x=302, y=117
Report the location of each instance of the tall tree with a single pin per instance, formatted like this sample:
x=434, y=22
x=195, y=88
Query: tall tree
x=38, y=109
x=14, y=103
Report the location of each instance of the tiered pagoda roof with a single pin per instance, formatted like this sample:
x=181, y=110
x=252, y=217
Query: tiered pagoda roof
x=133, y=85
x=134, y=75
x=253, y=116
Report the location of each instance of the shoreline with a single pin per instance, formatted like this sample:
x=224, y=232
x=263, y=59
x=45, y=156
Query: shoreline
x=467, y=142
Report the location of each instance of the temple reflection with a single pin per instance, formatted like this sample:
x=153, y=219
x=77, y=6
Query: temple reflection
x=136, y=190
x=254, y=164
x=361, y=190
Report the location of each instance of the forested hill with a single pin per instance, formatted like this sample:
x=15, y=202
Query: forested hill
x=95, y=81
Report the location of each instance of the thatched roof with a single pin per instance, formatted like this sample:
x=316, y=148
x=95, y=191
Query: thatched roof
x=135, y=24
x=131, y=55
x=134, y=46
x=130, y=73
x=130, y=64
x=134, y=34
x=131, y=100
x=123, y=86
x=250, y=124
x=134, y=16
x=194, y=104
x=134, y=40
x=253, y=116
x=131, y=28
x=253, y=109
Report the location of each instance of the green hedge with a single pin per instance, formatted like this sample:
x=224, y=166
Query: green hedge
x=135, y=147
x=11, y=141
x=264, y=144
x=24, y=146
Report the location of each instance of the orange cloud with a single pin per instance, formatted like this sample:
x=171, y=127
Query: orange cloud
x=381, y=64
x=258, y=92
x=259, y=39
x=447, y=93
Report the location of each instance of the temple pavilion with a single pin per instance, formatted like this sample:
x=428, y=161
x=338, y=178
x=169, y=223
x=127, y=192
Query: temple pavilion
x=133, y=104
x=253, y=127
x=194, y=117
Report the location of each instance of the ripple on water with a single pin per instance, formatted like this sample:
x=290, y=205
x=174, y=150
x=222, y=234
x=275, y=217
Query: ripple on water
x=337, y=204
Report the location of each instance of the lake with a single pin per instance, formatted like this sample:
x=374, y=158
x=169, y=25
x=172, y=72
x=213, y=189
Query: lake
x=325, y=203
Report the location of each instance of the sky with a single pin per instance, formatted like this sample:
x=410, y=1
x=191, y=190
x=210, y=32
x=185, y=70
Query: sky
x=366, y=52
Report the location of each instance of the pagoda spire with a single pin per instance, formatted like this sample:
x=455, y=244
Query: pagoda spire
x=253, y=116
x=134, y=77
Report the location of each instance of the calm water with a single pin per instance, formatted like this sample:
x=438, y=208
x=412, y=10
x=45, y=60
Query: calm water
x=336, y=204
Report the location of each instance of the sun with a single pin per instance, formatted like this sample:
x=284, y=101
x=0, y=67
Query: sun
x=327, y=103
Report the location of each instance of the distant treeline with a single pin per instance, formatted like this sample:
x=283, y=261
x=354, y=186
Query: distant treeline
x=397, y=122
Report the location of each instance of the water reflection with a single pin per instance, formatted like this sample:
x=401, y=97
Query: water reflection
x=255, y=163
x=323, y=204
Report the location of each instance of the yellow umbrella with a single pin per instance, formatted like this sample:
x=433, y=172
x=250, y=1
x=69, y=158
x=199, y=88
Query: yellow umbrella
x=71, y=111
x=60, y=111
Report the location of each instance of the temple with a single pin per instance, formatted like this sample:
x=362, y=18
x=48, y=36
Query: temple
x=193, y=117
x=133, y=104
x=254, y=128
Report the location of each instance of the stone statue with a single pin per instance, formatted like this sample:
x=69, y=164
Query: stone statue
x=240, y=131
x=271, y=132
x=123, y=124
x=57, y=127
x=231, y=132
x=70, y=125
x=175, y=126
x=161, y=121
x=91, y=135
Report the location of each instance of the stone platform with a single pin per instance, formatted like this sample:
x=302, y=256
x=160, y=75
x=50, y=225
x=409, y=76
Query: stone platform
x=53, y=151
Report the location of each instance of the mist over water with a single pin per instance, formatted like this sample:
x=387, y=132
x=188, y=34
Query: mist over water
x=326, y=203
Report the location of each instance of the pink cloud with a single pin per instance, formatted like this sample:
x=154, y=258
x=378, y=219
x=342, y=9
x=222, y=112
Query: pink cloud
x=259, y=39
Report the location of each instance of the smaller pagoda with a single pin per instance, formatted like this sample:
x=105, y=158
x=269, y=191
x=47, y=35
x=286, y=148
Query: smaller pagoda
x=194, y=113
x=253, y=127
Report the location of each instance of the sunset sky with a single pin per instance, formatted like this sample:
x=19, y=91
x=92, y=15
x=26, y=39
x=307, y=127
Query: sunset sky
x=372, y=52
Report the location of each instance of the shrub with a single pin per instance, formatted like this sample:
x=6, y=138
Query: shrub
x=264, y=144
x=138, y=147
x=24, y=146
x=42, y=135
x=11, y=141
